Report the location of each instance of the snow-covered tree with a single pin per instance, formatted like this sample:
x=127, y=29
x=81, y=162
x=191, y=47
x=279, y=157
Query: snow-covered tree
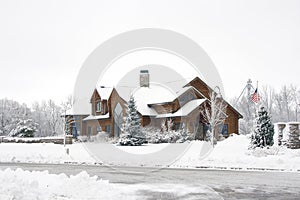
x=11, y=113
x=170, y=124
x=214, y=112
x=163, y=126
x=48, y=115
x=282, y=104
x=24, y=128
x=263, y=130
x=67, y=103
x=132, y=134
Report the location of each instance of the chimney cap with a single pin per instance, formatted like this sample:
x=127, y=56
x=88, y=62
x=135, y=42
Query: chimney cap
x=144, y=71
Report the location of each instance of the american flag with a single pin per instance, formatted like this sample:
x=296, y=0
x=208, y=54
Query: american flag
x=255, y=97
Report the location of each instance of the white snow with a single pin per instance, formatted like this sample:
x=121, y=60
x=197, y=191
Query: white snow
x=187, y=88
x=184, y=110
x=232, y=153
x=92, y=117
x=104, y=92
x=144, y=149
x=149, y=95
x=25, y=185
x=44, y=153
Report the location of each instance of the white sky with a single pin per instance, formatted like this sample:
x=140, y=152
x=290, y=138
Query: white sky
x=44, y=43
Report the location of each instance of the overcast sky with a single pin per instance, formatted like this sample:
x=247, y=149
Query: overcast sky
x=44, y=43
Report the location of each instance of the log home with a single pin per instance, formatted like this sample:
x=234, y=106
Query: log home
x=154, y=106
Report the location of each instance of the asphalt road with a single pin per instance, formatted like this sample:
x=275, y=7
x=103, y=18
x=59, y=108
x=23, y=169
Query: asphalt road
x=196, y=183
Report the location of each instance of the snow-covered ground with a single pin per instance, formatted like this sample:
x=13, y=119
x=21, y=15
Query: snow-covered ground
x=44, y=153
x=25, y=185
x=232, y=153
x=145, y=149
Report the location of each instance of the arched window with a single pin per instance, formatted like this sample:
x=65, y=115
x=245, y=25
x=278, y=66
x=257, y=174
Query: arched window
x=118, y=120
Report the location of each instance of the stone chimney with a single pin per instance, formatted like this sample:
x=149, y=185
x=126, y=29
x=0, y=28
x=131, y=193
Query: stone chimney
x=144, y=78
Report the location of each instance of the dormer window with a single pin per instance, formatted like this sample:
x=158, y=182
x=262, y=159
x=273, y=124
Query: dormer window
x=98, y=106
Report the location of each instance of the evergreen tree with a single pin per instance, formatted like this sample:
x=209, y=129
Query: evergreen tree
x=24, y=128
x=263, y=130
x=132, y=134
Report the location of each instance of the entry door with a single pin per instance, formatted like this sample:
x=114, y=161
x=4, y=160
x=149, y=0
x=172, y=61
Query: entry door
x=200, y=132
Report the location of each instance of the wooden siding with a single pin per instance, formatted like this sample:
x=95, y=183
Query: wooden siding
x=168, y=107
x=233, y=116
x=112, y=103
x=232, y=121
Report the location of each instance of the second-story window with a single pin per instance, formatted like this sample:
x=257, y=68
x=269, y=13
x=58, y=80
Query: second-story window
x=98, y=106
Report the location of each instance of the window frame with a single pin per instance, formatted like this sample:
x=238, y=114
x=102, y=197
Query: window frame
x=108, y=127
x=99, y=106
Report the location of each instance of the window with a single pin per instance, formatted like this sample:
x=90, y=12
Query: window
x=76, y=127
x=89, y=131
x=77, y=118
x=107, y=128
x=176, y=126
x=118, y=119
x=99, y=129
x=98, y=106
x=223, y=129
x=183, y=99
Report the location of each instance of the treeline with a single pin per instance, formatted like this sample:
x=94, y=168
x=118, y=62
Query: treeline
x=42, y=119
x=282, y=105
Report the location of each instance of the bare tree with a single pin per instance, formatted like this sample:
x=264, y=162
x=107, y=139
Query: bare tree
x=267, y=97
x=282, y=105
x=54, y=117
x=214, y=112
x=67, y=103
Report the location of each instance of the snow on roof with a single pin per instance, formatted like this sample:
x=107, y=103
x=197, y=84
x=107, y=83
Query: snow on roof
x=104, y=92
x=184, y=110
x=92, y=117
x=147, y=95
x=183, y=90
x=186, y=88
x=68, y=112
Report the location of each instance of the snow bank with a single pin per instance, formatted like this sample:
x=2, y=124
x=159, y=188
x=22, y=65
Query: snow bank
x=233, y=153
x=23, y=185
x=43, y=153
x=26, y=185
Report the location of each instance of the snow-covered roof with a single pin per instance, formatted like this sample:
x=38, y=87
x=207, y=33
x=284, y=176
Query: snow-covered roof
x=185, y=89
x=147, y=95
x=92, y=117
x=68, y=112
x=104, y=92
x=184, y=110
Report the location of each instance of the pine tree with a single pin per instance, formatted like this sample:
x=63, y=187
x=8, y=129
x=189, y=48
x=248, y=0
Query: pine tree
x=263, y=130
x=132, y=134
x=24, y=128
